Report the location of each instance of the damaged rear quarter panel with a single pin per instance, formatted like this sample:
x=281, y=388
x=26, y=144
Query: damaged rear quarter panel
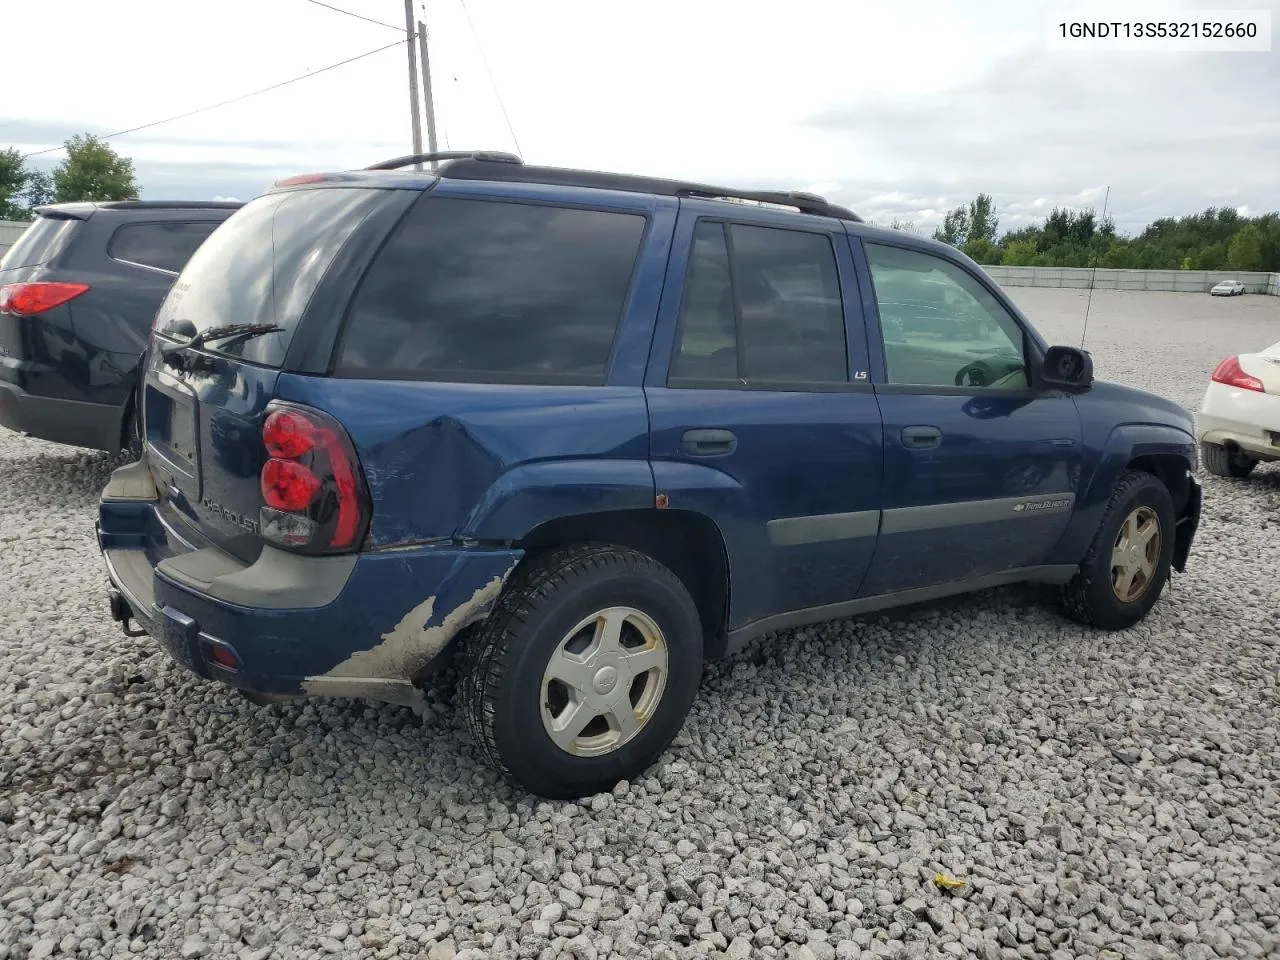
x=431, y=451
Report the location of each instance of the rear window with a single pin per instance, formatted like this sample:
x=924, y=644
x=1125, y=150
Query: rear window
x=39, y=243
x=165, y=246
x=494, y=291
x=263, y=265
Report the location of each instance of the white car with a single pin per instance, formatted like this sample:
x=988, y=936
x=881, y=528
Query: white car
x=1227, y=288
x=1238, y=424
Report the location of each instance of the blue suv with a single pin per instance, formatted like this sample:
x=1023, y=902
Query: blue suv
x=596, y=429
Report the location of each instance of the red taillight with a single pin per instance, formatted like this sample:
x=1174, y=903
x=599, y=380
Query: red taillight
x=288, y=435
x=1229, y=372
x=29, y=299
x=312, y=487
x=287, y=485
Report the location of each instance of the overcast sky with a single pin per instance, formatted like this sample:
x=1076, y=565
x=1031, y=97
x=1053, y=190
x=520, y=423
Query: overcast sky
x=898, y=109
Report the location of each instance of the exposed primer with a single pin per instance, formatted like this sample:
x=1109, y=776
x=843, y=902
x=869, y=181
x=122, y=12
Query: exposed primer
x=411, y=645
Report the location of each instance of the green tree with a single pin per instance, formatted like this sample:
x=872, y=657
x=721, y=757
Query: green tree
x=982, y=219
x=1245, y=249
x=93, y=171
x=955, y=227
x=14, y=177
x=39, y=190
x=906, y=226
x=1019, y=253
x=1186, y=263
x=982, y=250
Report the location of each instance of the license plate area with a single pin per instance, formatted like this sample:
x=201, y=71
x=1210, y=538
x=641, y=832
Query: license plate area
x=171, y=418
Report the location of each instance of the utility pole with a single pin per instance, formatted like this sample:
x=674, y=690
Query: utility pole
x=413, y=80
x=426, y=90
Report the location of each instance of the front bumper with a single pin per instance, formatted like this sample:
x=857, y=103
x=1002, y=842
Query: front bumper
x=1187, y=524
x=98, y=426
x=358, y=625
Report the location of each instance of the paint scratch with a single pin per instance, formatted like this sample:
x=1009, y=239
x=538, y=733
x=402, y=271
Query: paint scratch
x=411, y=645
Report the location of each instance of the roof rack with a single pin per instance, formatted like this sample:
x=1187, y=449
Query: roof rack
x=492, y=156
x=495, y=165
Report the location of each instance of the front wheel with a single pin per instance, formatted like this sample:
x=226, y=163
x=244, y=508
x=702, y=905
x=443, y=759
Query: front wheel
x=584, y=672
x=1128, y=563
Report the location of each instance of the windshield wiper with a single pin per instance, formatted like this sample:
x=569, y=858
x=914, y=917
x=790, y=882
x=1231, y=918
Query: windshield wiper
x=220, y=333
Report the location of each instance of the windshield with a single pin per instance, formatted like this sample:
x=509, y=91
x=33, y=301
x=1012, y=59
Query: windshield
x=39, y=243
x=261, y=267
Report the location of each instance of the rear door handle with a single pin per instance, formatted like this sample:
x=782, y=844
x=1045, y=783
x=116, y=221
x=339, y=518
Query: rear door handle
x=921, y=438
x=709, y=443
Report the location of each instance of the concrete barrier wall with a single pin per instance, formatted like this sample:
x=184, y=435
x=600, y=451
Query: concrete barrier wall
x=1177, y=281
x=10, y=231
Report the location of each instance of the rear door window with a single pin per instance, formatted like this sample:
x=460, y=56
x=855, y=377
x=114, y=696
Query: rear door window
x=39, y=243
x=494, y=291
x=263, y=265
x=164, y=246
x=761, y=306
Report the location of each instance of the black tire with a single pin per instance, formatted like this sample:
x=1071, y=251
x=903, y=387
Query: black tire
x=1221, y=462
x=502, y=689
x=1090, y=597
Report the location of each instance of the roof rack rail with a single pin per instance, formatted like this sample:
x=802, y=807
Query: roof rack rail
x=473, y=166
x=493, y=156
x=804, y=202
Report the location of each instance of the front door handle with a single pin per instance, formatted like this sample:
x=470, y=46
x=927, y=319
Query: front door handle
x=709, y=443
x=921, y=438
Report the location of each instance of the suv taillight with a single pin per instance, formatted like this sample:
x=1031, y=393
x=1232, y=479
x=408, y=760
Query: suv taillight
x=29, y=299
x=313, y=492
x=1230, y=373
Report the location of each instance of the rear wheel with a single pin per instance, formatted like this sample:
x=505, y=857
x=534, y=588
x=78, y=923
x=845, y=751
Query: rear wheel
x=585, y=670
x=1128, y=563
x=1221, y=462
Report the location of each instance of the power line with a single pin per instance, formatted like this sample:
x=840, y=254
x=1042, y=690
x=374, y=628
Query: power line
x=492, y=82
x=358, y=16
x=243, y=96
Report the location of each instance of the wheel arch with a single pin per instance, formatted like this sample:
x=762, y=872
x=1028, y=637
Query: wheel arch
x=687, y=543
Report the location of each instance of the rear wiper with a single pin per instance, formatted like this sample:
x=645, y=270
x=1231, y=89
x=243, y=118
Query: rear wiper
x=220, y=333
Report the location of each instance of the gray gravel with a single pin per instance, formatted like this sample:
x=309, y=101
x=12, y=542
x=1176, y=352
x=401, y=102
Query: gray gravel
x=1110, y=796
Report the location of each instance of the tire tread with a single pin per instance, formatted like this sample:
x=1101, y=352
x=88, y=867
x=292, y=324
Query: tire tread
x=491, y=644
x=1075, y=594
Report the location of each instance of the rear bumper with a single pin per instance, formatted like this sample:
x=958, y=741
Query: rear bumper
x=359, y=625
x=98, y=426
x=1246, y=419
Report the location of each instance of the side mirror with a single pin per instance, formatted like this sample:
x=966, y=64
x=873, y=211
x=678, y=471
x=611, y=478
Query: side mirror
x=1067, y=368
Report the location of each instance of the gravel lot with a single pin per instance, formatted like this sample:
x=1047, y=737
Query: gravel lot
x=1104, y=795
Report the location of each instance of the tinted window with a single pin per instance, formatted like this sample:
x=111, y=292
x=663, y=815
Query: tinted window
x=479, y=289
x=940, y=326
x=263, y=265
x=708, y=331
x=39, y=243
x=167, y=246
x=762, y=305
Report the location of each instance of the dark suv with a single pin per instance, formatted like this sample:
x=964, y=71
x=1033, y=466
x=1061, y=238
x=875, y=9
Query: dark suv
x=78, y=292
x=601, y=428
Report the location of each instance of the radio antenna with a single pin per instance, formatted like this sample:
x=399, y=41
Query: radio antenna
x=1094, y=271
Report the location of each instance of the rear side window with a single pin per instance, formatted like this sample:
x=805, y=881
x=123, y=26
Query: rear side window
x=761, y=305
x=165, y=246
x=39, y=243
x=485, y=290
x=263, y=265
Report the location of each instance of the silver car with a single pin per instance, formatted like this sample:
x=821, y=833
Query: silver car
x=1227, y=288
